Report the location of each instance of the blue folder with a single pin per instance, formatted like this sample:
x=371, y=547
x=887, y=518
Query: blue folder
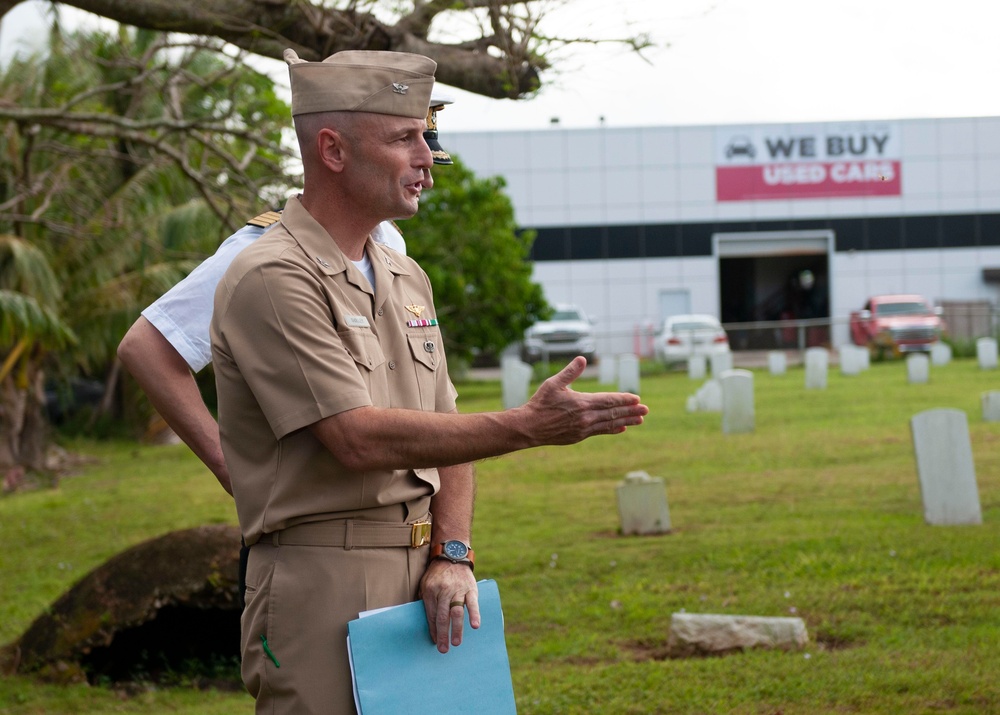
x=397, y=668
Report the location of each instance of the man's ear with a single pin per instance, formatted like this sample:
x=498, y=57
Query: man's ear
x=332, y=149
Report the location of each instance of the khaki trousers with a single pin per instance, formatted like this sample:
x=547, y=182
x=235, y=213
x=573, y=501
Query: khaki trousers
x=300, y=599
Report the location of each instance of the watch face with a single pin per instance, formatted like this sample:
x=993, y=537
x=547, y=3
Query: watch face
x=455, y=550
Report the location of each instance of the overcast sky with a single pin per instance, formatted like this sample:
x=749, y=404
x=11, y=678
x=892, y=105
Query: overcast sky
x=742, y=61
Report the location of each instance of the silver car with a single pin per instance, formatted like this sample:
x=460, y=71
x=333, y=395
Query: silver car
x=684, y=336
x=567, y=334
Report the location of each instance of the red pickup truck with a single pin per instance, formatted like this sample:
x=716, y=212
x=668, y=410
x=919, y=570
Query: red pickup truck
x=890, y=325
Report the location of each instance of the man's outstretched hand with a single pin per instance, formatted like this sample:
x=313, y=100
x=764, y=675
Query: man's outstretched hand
x=557, y=414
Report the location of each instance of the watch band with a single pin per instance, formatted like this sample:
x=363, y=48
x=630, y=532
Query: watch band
x=437, y=552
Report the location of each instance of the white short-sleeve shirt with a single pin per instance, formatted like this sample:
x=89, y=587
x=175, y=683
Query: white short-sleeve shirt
x=183, y=313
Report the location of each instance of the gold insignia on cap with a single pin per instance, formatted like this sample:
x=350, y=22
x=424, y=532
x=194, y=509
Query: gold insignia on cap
x=438, y=153
x=416, y=309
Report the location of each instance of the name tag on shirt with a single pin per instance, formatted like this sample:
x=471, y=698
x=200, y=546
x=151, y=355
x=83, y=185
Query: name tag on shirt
x=356, y=321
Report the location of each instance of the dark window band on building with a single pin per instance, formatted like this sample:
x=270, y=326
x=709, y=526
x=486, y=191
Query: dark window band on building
x=681, y=240
x=988, y=229
x=661, y=240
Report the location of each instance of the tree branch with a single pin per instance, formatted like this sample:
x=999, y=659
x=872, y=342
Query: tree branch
x=156, y=134
x=92, y=124
x=268, y=27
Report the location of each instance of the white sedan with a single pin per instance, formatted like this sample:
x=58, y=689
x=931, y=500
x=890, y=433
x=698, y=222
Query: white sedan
x=568, y=333
x=683, y=336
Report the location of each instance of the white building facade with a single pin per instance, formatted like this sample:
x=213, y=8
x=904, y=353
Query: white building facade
x=752, y=223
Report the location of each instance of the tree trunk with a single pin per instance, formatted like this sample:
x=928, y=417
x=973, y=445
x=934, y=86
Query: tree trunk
x=35, y=430
x=24, y=431
x=110, y=390
x=12, y=403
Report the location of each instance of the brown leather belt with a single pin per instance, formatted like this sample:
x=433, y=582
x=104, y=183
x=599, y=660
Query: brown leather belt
x=354, y=534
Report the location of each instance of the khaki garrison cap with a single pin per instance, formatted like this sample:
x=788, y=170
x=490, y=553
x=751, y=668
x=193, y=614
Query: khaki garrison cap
x=396, y=83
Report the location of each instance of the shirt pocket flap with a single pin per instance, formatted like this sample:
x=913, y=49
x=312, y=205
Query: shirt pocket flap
x=426, y=348
x=363, y=347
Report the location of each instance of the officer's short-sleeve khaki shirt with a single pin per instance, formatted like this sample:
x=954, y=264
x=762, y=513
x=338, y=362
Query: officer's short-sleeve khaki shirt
x=299, y=335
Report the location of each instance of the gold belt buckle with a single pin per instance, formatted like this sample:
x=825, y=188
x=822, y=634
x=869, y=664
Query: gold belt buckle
x=420, y=534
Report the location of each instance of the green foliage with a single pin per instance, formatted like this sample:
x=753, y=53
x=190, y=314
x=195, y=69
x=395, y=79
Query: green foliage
x=29, y=297
x=816, y=514
x=149, y=153
x=126, y=157
x=21, y=316
x=466, y=238
x=25, y=269
x=961, y=347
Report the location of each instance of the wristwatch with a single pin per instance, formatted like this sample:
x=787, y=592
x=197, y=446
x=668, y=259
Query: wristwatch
x=458, y=552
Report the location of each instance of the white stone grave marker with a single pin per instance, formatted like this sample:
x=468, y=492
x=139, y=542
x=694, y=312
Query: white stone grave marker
x=709, y=396
x=991, y=406
x=607, y=370
x=515, y=380
x=817, y=360
x=918, y=369
x=940, y=354
x=777, y=362
x=721, y=362
x=642, y=504
x=696, y=367
x=945, y=468
x=737, y=402
x=851, y=360
x=628, y=374
x=986, y=351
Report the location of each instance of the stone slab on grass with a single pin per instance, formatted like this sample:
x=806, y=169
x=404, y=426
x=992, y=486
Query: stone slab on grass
x=694, y=634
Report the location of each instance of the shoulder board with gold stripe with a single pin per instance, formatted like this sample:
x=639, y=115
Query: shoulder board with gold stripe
x=268, y=218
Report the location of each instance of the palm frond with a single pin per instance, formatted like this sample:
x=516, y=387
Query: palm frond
x=21, y=316
x=25, y=268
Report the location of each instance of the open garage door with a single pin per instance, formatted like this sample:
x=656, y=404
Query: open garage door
x=774, y=276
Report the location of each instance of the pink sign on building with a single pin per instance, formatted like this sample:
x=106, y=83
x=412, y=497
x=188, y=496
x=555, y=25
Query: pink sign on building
x=807, y=161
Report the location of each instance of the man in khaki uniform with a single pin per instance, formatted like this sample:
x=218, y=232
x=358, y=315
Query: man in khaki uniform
x=335, y=404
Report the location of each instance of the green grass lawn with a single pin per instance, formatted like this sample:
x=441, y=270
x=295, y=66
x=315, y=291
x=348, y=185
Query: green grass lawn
x=817, y=514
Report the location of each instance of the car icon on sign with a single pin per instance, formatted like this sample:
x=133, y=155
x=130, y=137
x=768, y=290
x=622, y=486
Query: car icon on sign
x=740, y=146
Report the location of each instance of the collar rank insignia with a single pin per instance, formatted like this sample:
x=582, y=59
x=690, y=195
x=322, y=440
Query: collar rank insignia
x=415, y=309
x=400, y=88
